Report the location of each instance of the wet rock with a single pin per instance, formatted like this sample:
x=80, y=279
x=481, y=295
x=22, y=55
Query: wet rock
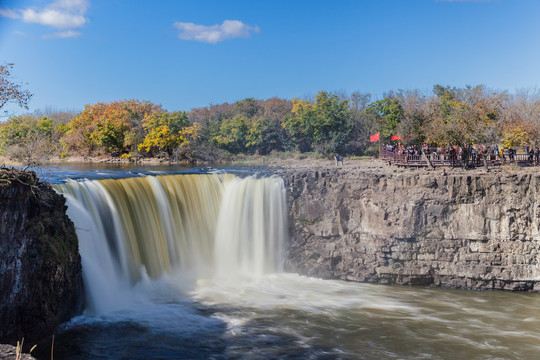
x=40, y=267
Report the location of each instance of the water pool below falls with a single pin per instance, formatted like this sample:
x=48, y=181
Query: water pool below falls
x=191, y=266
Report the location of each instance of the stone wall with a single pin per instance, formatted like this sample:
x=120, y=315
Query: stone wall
x=40, y=267
x=472, y=230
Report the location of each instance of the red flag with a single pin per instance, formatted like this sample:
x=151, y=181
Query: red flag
x=395, y=138
x=374, y=137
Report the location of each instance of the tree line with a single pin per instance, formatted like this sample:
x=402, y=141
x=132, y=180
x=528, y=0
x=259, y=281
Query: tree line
x=328, y=124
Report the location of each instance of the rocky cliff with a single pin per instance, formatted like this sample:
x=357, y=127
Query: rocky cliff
x=473, y=230
x=40, y=267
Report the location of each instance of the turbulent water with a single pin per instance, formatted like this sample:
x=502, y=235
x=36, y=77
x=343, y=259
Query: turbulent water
x=191, y=266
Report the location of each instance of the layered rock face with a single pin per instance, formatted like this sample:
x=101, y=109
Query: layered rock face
x=40, y=267
x=458, y=230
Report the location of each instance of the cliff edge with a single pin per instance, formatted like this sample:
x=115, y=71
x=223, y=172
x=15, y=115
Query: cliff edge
x=445, y=228
x=40, y=267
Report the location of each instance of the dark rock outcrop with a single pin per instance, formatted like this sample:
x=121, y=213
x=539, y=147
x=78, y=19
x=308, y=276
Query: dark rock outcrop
x=40, y=267
x=460, y=230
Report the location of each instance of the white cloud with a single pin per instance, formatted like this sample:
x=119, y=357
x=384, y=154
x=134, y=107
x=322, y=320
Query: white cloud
x=9, y=13
x=63, y=34
x=213, y=34
x=64, y=15
x=55, y=18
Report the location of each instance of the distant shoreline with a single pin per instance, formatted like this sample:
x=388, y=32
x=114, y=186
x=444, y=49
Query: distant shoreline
x=369, y=165
x=238, y=160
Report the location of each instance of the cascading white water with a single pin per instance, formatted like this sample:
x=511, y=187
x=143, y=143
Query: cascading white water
x=205, y=226
x=251, y=228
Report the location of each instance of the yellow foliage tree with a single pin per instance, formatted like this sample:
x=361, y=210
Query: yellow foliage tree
x=109, y=127
x=190, y=133
x=517, y=135
x=167, y=131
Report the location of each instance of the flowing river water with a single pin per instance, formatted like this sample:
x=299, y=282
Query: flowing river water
x=190, y=266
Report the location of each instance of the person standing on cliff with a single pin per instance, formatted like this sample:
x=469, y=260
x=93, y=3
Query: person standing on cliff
x=339, y=160
x=453, y=156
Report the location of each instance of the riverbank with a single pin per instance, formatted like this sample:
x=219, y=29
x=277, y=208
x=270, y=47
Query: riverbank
x=274, y=159
x=292, y=160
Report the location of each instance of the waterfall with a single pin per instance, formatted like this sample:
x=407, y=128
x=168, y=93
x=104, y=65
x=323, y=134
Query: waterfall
x=203, y=226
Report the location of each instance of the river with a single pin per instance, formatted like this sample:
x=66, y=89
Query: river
x=190, y=266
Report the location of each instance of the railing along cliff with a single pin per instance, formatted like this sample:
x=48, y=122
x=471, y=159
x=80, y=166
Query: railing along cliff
x=453, y=160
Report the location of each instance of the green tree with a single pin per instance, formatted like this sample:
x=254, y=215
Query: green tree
x=232, y=133
x=388, y=113
x=320, y=124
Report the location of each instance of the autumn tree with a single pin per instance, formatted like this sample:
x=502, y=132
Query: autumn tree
x=167, y=131
x=210, y=114
x=108, y=128
x=463, y=116
x=447, y=113
x=11, y=91
x=274, y=136
x=249, y=107
x=517, y=135
x=521, y=118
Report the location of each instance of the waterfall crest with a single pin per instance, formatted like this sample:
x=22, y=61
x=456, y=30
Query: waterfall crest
x=205, y=226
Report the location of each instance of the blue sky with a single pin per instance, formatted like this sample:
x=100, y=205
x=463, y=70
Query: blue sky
x=185, y=54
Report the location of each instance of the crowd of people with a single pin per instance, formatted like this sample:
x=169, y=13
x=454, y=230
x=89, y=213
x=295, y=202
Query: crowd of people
x=472, y=155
